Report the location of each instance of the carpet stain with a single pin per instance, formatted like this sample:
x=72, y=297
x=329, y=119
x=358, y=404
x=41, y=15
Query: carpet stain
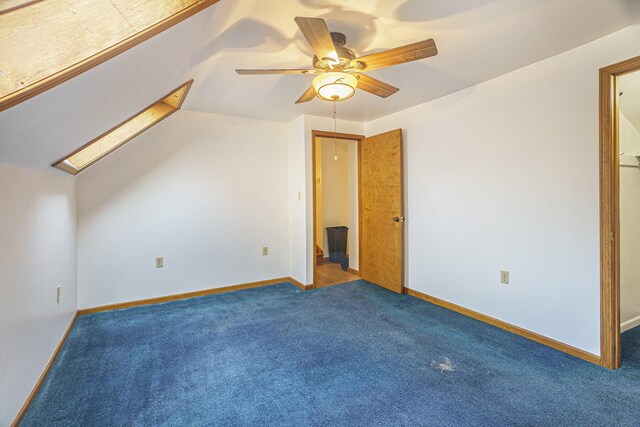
x=445, y=365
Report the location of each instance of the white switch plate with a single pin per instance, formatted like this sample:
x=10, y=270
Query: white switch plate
x=504, y=277
x=58, y=294
x=265, y=250
x=159, y=262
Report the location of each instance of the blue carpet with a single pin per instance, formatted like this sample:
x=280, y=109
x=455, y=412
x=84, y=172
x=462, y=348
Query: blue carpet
x=352, y=354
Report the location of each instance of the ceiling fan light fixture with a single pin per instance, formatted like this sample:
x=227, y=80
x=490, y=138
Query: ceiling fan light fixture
x=335, y=86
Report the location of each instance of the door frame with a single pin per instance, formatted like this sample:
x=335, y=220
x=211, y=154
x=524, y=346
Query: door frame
x=327, y=134
x=610, y=211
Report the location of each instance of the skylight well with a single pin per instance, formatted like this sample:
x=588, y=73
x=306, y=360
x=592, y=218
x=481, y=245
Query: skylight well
x=46, y=42
x=90, y=153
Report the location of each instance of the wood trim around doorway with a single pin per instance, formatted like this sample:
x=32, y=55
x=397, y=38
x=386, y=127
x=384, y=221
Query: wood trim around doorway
x=326, y=134
x=610, y=212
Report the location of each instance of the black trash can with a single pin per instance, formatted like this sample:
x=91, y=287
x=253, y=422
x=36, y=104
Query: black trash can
x=337, y=239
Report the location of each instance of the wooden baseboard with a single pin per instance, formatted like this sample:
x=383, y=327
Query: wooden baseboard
x=43, y=375
x=186, y=295
x=630, y=324
x=352, y=271
x=118, y=306
x=300, y=285
x=581, y=354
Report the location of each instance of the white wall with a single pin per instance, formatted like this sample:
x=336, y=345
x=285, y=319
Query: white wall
x=629, y=224
x=37, y=253
x=204, y=191
x=504, y=175
x=297, y=200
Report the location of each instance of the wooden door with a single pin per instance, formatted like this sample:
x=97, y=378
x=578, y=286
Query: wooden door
x=381, y=220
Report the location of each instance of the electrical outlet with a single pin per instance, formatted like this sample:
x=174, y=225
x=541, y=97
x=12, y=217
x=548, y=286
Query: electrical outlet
x=159, y=262
x=504, y=277
x=58, y=294
x=265, y=250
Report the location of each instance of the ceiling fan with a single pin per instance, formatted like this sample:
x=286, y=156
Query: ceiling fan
x=338, y=71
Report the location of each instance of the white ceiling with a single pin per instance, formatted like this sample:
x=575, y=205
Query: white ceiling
x=630, y=100
x=477, y=40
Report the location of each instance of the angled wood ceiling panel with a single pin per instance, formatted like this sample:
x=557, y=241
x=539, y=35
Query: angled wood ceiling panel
x=48, y=42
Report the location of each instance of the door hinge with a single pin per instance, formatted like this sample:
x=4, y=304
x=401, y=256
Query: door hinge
x=612, y=236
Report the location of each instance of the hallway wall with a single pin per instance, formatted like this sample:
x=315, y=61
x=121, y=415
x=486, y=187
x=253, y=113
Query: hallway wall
x=629, y=225
x=335, y=195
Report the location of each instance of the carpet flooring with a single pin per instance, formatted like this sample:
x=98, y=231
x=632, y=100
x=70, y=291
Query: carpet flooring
x=351, y=354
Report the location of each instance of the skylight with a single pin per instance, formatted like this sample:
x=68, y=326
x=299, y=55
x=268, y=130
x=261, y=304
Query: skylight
x=90, y=153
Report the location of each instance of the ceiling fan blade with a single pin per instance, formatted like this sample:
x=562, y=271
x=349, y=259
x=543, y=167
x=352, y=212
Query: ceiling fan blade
x=399, y=55
x=276, y=71
x=307, y=96
x=317, y=34
x=375, y=86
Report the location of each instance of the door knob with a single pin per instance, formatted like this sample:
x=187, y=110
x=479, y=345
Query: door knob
x=398, y=219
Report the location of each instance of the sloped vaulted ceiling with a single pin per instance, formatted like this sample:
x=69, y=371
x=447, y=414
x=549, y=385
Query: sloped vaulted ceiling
x=476, y=40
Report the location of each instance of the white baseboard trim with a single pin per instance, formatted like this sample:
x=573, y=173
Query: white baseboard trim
x=630, y=324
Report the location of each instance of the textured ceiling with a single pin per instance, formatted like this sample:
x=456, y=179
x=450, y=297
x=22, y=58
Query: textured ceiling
x=477, y=40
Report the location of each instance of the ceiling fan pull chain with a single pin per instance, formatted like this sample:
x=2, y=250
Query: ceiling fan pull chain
x=335, y=133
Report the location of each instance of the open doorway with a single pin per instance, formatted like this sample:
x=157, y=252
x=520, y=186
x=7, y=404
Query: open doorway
x=629, y=172
x=619, y=144
x=335, y=213
x=371, y=197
